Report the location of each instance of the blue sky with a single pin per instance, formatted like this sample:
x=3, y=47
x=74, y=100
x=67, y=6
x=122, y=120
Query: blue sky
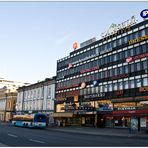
x=34, y=35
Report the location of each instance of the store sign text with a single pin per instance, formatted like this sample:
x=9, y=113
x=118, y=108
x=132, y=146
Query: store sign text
x=120, y=76
x=94, y=95
x=125, y=108
x=89, y=70
x=130, y=59
x=137, y=40
x=114, y=28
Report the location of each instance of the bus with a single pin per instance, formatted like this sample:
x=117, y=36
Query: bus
x=37, y=120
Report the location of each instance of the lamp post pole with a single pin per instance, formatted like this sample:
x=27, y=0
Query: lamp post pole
x=5, y=108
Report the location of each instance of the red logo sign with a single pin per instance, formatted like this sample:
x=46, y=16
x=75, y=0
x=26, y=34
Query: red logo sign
x=69, y=65
x=83, y=85
x=129, y=59
x=75, y=45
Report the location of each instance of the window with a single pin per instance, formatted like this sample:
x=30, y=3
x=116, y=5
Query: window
x=132, y=84
x=121, y=70
x=145, y=66
x=120, y=84
x=115, y=57
x=131, y=52
x=126, y=54
x=114, y=86
x=126, y=69
x=138, y=66
x=138, y=82
x=137, y=49
x=132, y=67
x=144, y=50
x=110, y=87
x=126, y=85
x=145, y=81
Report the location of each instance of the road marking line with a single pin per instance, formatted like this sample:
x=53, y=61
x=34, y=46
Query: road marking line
x=12, y=135
x=33, y=140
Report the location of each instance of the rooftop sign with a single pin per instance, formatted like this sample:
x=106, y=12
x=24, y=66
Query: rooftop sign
x=87, y=42
x=114, y=28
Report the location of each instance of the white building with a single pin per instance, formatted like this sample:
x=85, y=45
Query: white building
x=38, y=97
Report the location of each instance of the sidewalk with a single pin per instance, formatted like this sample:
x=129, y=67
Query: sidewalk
x=100, y=131
x=3, y=145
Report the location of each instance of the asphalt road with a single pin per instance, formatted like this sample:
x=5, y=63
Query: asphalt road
x=22, y=137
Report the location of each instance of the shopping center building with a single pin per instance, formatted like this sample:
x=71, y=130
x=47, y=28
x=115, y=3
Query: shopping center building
x=104, y=83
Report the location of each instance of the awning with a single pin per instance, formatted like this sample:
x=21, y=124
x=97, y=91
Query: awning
x=62, y=114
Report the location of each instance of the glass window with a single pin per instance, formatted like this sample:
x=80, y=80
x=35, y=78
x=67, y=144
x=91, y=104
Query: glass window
x=132, y=84
x=115, y=57
x=114, y=43
x=121, y=70
x=105, y=88
x=126, y=54
x=110, y=87
x=93, y=90
x=138, y=82
x=138, y=51
x=145, y=66
x=101, y=88
x=131, y=52
x=114, y=86
x=132, y=67
x=120, y=84
x=97, y=89
x=126, y=69
x=145, y=81
x=126, y=85
x=142, y=32
x=106, y=74
x=144, y=50
x=138, y=66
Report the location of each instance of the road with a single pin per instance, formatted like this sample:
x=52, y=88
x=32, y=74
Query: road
x=22, y=137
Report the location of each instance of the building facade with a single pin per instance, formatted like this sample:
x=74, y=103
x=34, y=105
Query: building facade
x=104, y=83
x=7, y=103
x=37, y=97
x=8, y=94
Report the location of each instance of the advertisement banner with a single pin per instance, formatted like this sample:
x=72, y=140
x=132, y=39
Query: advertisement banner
x=134, y=123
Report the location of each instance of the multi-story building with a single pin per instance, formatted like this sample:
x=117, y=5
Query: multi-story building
x=7, y=103
x=104, y=83
x=8, y=94
x=37, y=97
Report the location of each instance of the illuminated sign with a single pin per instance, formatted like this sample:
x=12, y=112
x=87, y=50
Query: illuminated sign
x=144, y=13
x=70, y=65
x=89, y=70
x=138, y=40
x=75, y=45
x=120, y=76
x=94, y=95
x=83, y=85
x=87, y=42
x=130, y=59
x=114, y=28
x=125, y=108
x=143, y=89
